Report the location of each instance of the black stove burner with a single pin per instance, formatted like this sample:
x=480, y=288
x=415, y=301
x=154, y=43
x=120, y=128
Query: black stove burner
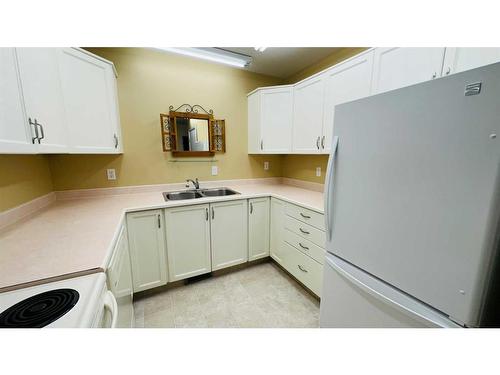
x=39, y=310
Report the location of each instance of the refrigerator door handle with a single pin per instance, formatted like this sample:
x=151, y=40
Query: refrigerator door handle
x=389, y=295
x=330, y=171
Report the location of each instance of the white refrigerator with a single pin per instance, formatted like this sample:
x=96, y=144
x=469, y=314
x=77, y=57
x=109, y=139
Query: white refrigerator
x=412, y=206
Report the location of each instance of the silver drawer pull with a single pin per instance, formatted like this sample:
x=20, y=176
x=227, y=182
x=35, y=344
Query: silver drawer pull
x=301, y=268
x=304, y=231
x=305, y=216
x=304, y=247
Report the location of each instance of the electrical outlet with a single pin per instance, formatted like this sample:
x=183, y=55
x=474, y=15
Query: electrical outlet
x=215, y=170
x=266, y=165
x=111, y=173
x=318, y=171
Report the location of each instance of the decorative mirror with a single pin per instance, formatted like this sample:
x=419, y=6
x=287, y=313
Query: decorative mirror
x=191, y=133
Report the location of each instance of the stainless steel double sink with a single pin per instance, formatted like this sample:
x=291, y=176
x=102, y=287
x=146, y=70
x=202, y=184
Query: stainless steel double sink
x=198, y=193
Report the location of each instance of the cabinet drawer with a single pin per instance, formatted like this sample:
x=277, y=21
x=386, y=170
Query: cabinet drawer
x=306, y=216
x=306, y=231
x=305, y=246
x=306, y=270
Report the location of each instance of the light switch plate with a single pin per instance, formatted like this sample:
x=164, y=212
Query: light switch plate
x=215, y=170
x=266, y=165
x=318, y=171
x=111, y=173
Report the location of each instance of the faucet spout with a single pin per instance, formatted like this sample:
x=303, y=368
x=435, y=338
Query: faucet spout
x=195, y=183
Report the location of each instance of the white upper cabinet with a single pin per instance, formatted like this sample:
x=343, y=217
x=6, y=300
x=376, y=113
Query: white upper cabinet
x=459, y=59
x=41, y=87
x=344, y=82
x=308, y=116
x=270, y=120
x=90, y=101
x=398, y=67
x=15, y=133
x=57, y=100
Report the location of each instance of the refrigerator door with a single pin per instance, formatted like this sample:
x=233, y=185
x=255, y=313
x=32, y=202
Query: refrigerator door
x=416, y=198
x=354, y=299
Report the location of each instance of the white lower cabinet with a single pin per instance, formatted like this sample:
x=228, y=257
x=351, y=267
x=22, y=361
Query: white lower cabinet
x=305, y=269
x=228, y=233
x=258, y=228
x=147, y=249
x=277, y=230
x=188, y=241
x=119, y=278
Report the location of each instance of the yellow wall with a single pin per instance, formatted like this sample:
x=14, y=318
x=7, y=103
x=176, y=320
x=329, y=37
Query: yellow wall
x=23, y=178
x=303, y=167
x=148, y=82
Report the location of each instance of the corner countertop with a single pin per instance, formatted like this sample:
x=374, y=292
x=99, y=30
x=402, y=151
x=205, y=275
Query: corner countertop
x=75, y=235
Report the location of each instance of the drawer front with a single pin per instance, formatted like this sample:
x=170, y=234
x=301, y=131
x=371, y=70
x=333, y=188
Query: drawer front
x=306, y=270
x=305, y=246
x=306, y=216
x=306, y=231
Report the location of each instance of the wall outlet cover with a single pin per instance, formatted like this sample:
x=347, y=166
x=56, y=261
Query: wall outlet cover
x=215, y=170
x=266, y=165
x=318, y=171
x=111, y=173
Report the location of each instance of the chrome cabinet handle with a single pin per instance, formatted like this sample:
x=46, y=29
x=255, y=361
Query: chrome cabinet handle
x=301, y=268
x=251, y=207
x=305, y=216
x=42, y=133
x=304, y=247
x=317, y=142
x=448, y=71
x=159, y=221
x=261, y=144
x=304, y=231
x=206, y=214
x=434, y=75
x=35, y=127
x=116, y=140
x=323, y=142
x=213, y=213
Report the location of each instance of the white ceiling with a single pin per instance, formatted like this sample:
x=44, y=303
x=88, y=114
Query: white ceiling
x=283, y=62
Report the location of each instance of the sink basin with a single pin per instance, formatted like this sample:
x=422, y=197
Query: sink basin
x=218, y=192
x=180, y=195
x=193, y=194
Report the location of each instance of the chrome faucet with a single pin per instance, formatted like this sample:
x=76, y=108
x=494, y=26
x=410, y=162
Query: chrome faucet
x=195, y=183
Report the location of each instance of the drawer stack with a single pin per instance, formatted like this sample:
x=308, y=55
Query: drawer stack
x=304, y=248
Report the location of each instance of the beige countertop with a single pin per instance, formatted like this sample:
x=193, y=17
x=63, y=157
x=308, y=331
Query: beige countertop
x=75, y=236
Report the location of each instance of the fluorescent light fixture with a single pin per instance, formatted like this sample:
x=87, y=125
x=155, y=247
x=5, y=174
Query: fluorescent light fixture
x=260, y=49
x=218, y=55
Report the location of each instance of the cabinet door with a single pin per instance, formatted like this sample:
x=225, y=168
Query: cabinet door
x=254, y=118
x=460, y=59
x=229, y=233
x=90, y=101
x=308, y=116
x=15, y=133
x=343, y=83
x=41, y=87
x=276, y=119
x=258, y=228
x=399, y=67
x=277, y=229
x=147, y=249
x=188, y=241
x=119, y=277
